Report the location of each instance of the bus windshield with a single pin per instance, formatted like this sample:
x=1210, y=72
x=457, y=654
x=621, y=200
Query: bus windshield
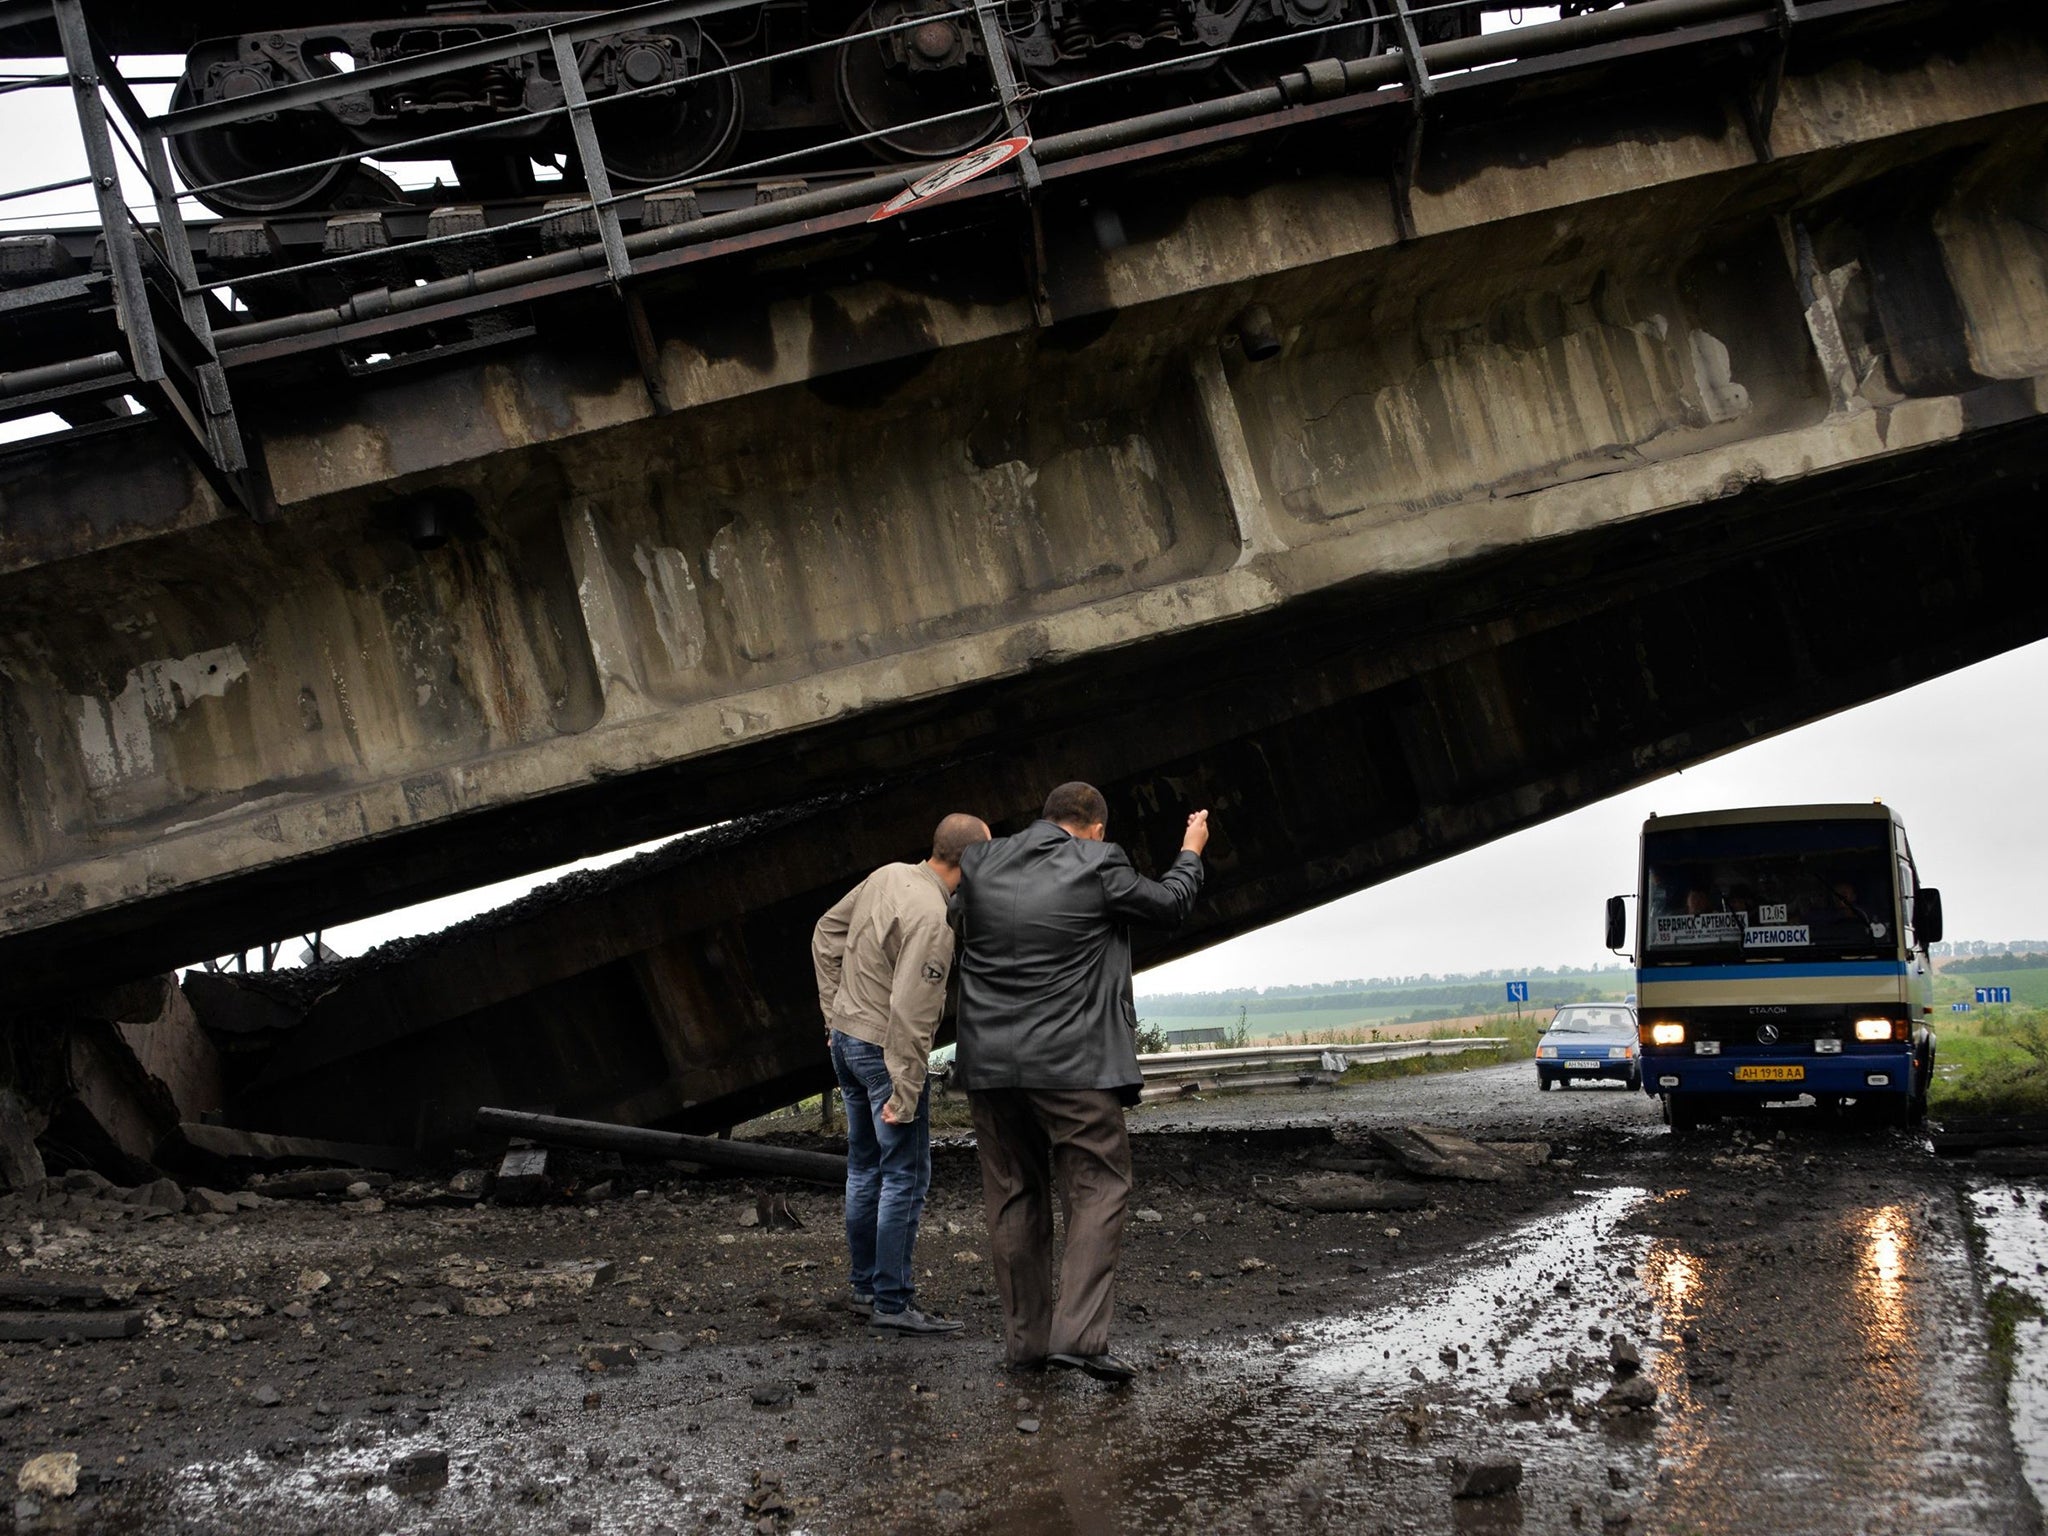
x=1770, y=891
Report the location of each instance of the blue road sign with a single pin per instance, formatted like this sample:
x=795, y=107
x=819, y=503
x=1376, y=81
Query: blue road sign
x=1959, y=1007
x=1994, y=994
x=1518, y=991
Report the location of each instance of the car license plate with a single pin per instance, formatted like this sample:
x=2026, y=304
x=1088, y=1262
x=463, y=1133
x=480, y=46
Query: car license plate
x=1770, y=1074
x=1580, y=1066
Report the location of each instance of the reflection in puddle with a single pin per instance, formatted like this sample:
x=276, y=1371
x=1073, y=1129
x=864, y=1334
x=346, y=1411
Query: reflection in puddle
x=1880, y=1283
x=2013, y=1218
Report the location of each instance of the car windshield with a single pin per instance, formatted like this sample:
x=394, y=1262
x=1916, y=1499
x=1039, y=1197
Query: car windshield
x=1592, y=1021
x=1769, y=890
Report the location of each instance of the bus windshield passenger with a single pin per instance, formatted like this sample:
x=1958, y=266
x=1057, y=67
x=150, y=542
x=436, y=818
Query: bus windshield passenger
x=1770, y=890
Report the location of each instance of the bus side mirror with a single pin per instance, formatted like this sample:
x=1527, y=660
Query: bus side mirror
x=1927, y=915
x=1617, y=920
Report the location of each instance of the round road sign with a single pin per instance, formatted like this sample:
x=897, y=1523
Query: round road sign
x=954, y=173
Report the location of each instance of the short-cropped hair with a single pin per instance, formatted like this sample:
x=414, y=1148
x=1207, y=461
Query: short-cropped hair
x=957, y=833
x=1076, y=805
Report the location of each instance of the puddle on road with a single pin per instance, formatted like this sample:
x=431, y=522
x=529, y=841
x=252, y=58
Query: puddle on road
x=2012, y=1216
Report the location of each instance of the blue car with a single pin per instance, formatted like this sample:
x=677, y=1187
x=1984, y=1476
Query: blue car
x=1589, y=1040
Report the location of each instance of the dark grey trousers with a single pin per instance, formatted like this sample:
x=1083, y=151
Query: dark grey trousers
x=1028, y=1138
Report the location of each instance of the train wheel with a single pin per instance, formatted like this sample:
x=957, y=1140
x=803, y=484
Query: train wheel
x=249, y=149
x=667, y=135
x=889, y=85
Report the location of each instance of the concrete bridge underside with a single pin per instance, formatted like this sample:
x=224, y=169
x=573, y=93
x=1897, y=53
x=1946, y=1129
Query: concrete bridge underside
x=1641, y=446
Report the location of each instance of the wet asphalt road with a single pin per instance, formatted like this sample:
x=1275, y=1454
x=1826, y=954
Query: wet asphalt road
x=1806, y=1307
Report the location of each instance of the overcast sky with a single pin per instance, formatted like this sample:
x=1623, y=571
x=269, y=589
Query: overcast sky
x=1964, y=759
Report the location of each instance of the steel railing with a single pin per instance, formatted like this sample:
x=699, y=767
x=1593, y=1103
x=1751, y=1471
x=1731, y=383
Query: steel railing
x=1170, y=1074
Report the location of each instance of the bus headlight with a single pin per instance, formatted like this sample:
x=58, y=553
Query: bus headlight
x=1667, y=1034
x=1873, y=1029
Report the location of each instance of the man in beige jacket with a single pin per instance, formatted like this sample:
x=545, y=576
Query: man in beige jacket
x=882, y=955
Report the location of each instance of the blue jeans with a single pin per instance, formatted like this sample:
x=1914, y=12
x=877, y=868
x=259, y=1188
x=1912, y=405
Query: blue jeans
x=888, y=1170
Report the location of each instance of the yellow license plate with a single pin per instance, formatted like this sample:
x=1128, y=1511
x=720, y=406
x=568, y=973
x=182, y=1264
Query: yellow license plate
x=1770, y=1074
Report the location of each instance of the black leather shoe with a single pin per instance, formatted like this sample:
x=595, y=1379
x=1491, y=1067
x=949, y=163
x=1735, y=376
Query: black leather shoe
x=1031, y=1367
x=1109, y=1368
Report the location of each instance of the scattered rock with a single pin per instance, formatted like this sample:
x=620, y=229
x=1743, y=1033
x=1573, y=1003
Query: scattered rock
x=1623, y=1356
x=750, y=1217
x=1148, y=1215
x=50, y=1476
x=772, y=1394
x=1523, y=1393
x=265, y=1395
x=313, y=1280
x=599, y=1191
x=361, y=1189
x=200, y=1201
x=1630, y=1393
x=1027, y=1426
x=1485, y=1477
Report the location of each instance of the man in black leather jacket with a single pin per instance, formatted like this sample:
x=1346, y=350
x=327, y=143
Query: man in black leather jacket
x=1048, y=1057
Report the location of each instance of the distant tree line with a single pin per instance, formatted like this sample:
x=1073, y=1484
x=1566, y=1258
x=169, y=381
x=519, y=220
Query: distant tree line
x=1435, y=1002
x=1385, y=991
x=1984, y=965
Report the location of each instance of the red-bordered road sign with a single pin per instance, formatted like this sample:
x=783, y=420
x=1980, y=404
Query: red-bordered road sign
x=954, y=173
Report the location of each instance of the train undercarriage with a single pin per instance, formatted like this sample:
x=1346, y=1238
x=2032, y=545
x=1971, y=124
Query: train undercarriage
x=838, y=84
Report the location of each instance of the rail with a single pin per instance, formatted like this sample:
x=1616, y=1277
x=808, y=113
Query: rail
x=1173, y=1074
x=177, y=332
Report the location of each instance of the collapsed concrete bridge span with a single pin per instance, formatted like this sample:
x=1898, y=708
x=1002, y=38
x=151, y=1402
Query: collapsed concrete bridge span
x=1385, y=514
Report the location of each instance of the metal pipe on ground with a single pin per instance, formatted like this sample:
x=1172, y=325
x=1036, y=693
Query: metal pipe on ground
x=634, y=1141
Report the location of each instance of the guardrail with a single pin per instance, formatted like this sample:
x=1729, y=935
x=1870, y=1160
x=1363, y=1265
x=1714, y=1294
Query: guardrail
x=1171, y=1074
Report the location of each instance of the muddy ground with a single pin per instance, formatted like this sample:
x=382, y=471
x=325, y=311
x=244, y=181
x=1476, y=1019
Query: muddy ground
x=1804, y=1304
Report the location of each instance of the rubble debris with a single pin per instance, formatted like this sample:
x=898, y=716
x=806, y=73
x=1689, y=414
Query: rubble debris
x=163, y=1195
x=21, y=1165
x=255, y=1147
x=468, y=1183
x=632, y=1141
x=764, y=1502
x=201, y=1201
x=1336, y=1193
x=310, y=1183
x=53, y=1475
x=522, y=1176
x=773, y=1214
x=1435, y=1153
x=32, y=1327
x=1485, y=1477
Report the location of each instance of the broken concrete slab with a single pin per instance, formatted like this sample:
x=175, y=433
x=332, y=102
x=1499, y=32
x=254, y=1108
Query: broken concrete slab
x=1435, y=1153
x=165, y=1195
x=522, y=1176
x=21, y=1165
x=254, y=1147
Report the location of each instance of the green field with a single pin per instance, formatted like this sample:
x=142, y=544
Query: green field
x=2029, y=987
